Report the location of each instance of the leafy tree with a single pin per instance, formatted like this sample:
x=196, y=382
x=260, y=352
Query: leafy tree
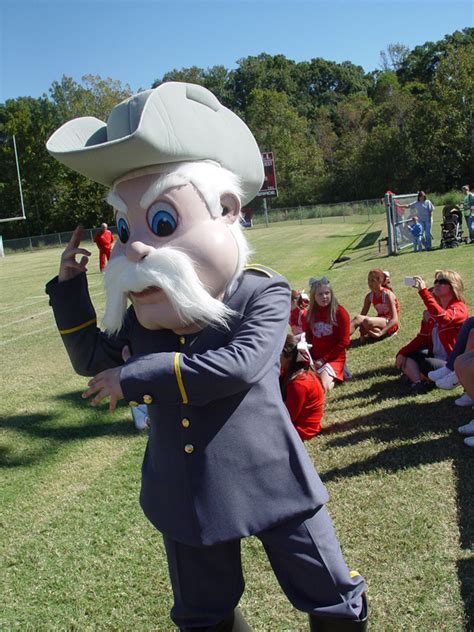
x=55, y=197
x=217, y=79
x=30, y=121
x=279, y=128
x=421, y=63
x=393, y=58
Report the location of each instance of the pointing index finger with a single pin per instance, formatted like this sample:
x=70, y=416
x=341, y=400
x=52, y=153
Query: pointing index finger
x=76, y=236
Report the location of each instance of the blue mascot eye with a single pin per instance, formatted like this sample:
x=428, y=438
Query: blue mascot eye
x=123, y=230
x=162, y=219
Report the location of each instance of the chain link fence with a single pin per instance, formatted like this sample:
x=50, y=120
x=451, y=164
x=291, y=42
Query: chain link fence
x=361, y=211
x=53, y=240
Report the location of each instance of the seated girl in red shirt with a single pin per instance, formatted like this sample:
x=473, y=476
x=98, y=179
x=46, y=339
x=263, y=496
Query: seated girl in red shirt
x=385, y=303
x=301, y=390
x=327, y=328
x=298, y=311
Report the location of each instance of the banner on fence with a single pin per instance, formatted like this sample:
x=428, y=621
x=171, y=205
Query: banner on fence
x=269, y=186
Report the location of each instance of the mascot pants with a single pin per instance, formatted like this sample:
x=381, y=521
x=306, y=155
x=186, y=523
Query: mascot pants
x=305, y=557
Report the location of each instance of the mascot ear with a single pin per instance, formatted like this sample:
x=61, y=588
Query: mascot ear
x=230, y=207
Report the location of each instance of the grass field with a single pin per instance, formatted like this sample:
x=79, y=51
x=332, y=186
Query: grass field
x=77, y=553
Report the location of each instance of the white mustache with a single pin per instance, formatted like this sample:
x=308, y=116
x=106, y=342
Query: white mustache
x=172, y=271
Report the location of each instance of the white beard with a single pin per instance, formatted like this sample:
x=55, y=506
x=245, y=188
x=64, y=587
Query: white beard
x=173, y=272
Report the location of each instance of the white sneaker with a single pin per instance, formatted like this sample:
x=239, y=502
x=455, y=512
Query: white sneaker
x=448, y=382
x=469, y=441
x=467, y=429
x=437, y=374
x=464, y=400
x=140, y=417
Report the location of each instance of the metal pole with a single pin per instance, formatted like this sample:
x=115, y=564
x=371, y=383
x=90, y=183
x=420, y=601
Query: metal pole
x=19, y=177
x=265, y=211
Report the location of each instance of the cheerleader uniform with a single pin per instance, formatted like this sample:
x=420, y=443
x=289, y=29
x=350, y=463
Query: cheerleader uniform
x=297, y=316
x=381, y=304
x=330, y=340
x=304, y=400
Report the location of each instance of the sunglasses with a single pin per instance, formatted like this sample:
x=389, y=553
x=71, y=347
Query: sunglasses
x=441, y=282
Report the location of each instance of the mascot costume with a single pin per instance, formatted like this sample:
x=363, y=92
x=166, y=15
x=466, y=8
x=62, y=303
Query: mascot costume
x=199, y=343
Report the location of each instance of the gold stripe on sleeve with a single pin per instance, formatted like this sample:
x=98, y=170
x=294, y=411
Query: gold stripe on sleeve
x=259, y=268
x=179, y=379
x=63, y=332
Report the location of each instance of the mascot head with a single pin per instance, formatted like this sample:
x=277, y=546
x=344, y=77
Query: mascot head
x=179, y=166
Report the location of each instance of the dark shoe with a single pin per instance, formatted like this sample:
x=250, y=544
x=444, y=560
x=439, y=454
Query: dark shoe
x=331, y=624
x=420, y=388
x=234, y=623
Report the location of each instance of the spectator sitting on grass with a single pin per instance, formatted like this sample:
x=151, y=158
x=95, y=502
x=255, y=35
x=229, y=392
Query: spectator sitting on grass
x=464, y=367
x=297, y=313
x=300, y=388
x=445, y=377
x=446, y=311
x=385, y=303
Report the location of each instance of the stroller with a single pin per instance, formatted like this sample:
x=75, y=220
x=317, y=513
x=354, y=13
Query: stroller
x=451, y=228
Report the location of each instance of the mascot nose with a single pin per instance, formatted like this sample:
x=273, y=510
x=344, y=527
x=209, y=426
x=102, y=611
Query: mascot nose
x=137, y=250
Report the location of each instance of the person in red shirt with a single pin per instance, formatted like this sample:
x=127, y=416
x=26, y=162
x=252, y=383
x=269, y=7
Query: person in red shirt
x=298, y=311
x=327, y=327
x=386, y=305
x=104, y=240
x=302, y=392
x=446, y=313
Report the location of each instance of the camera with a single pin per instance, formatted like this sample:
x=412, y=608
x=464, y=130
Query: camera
x=410, y=281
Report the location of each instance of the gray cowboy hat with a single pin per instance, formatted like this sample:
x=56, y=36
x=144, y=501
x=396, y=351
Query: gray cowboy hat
x=176, y=122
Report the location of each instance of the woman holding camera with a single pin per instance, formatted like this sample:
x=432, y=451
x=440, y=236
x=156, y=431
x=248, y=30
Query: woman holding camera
x=445, y=313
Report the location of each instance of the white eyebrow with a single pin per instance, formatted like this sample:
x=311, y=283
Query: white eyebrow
x=168, y=181
x=116, y=201
x=154, y=190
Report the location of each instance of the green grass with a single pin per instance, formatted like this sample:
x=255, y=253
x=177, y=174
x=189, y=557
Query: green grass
x=77, y=553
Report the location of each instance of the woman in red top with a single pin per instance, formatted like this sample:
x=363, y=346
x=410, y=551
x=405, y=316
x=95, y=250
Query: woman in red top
x=386, y=305
x=327, y=329
x=301, y=390
x=446, y=313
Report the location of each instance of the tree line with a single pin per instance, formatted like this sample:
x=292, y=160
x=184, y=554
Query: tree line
x=337, y=132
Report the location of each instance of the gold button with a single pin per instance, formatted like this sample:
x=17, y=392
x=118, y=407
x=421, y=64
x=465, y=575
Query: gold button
x=147, y=399
x=189, y=448
x=185, y=423
x=182, y=340
x=132, y=404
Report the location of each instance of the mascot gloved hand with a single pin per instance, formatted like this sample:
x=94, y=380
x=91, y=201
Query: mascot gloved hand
x=204, y=330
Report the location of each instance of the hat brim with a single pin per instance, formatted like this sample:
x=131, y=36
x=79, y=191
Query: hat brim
x=179, y=123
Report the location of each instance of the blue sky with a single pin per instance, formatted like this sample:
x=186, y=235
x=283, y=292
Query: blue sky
x=138, y=41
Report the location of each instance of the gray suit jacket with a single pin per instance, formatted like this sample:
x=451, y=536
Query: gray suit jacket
x=223, y=459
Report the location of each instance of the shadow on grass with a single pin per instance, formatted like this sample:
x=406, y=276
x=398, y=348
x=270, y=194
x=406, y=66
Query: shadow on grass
x=466, y=576
x=74, y=422
x=416, y=432
x=368, y=240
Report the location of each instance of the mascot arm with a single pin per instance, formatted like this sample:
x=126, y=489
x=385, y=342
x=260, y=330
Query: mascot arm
x=90, y=350
x=198, y=379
